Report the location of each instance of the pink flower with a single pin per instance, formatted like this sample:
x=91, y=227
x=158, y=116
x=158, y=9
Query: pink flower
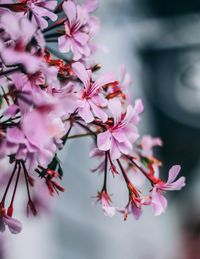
x=92, y=101
x=19, y=29
x=159, y=202
x=90, y=6
x=77, y=30
x=119, y=137
x=105, y=200
x=31, y=145
x=147, y=143
x=137, y=110
x=17, y=33
x=14, y=225
x=41, y=9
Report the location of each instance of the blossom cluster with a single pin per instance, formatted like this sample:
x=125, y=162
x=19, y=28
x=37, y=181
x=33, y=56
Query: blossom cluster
x=49, y=97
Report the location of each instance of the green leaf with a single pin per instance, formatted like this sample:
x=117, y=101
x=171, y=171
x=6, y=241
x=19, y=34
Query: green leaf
x=145, y=161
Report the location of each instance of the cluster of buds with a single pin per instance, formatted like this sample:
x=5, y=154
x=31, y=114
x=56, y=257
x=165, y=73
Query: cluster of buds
x=50, y=96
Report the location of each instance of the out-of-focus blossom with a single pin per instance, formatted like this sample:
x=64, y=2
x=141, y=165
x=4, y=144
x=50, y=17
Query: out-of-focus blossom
x=48, y=98
x=41, y=9
x=159, y=202
x=13, y=225
x=147, y=143
x=105, y=200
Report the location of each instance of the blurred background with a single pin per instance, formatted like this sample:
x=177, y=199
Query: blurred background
x=159, y=43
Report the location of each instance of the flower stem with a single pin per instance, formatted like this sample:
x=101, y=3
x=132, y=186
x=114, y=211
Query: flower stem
x=105, y=172
x=65, y=138
x=87, y=128
x=16, y=183
x=7, y=72
x=8, y=185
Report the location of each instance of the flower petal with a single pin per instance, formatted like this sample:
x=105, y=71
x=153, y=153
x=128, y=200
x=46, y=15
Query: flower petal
x=114, y=105
x=103, y=80
x=14, y=225
x=173, y=173
x=159, y=202
x=98, y=112
x=86, y=113
x=81, y=37
x=137, y=212
x=104, y=141
x=114, y=151
x=70, y=10
x=81, y=73
x=109, y=211
x=64, y=44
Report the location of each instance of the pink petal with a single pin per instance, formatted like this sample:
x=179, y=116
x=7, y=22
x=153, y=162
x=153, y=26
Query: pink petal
x=129, y=115
x=90, y=6
x=81, y=73
x=114, y=150
x=95, y=152
x=148, y=142
x=86, y=113
x=81, y=37
x=14, y=225
x=114, y=105
x=98, y=112
x=40, y=11
x=103, y=80
x=125, y=147
x=64, y=44
x=99, y=100
x=15, y=135
x=175, y=186
x=138, y=108
x=99, y=167
x=131, y=132
x=11, y=110
x=70, y=10
x=51, y=4
x=173, y=173
x=159, y=203
x=77, y=50
x=39, y=21
x=137, y=212
x=44, y=157
x=30, y=62
x=109, y=211
x=119, y=135
x=40, y=137
x=104, y=141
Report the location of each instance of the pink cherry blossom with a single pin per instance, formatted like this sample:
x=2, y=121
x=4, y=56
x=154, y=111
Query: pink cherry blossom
x=48, y=97
x=147, y=143
x=105, y=200
x=14, y=225
x=77, y=30
x=92, y=99
x=119, y=137
x=41, y=9
x=17, y=33
x=159, y=202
